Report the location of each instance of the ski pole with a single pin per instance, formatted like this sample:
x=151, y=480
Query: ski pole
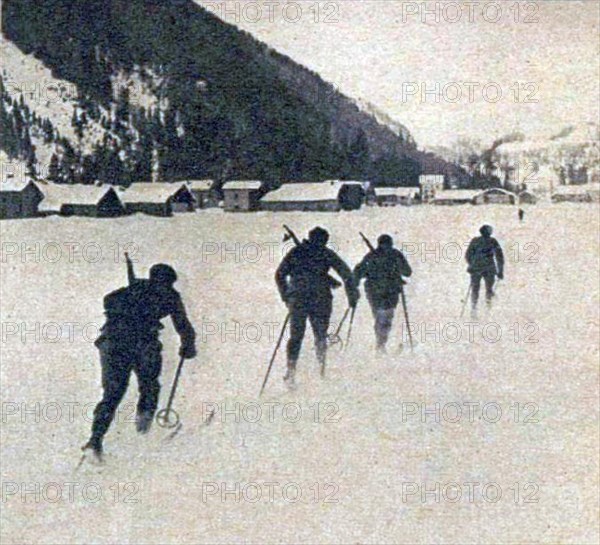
x=287, y=319
x=350, y=327
x=462, y=312
x=163, y=417
x=335, y=338
x=406, y=320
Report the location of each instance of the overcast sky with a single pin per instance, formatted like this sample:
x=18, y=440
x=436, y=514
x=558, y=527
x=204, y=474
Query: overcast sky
x=388, y=52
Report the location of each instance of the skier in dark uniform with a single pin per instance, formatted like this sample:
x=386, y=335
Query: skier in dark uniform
x=383, y=269
x=129, y=342
x=305, y=286
x=521, y=214
x=486, y=260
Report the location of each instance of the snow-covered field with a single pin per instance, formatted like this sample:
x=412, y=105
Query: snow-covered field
x=359, y=454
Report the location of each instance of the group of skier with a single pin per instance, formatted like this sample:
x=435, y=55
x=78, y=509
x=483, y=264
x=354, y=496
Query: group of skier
x=129, y=340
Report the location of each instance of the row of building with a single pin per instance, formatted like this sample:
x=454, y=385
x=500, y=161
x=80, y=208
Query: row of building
x=28, y=198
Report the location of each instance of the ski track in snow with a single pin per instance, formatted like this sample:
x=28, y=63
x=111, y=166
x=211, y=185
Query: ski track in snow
x=369, y=451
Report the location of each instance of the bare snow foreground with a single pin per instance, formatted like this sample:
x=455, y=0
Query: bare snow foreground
x=487, y=433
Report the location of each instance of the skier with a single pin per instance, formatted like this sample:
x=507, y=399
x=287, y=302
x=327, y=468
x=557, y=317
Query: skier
x=521, y=214
x=486, y=260
x=129, y=342
x=305, y=286
x=383, y=269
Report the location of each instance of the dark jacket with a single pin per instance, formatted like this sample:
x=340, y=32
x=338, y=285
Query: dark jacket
x=383, y=270
x=484, y=256
x=304, y=273
x=134, y=313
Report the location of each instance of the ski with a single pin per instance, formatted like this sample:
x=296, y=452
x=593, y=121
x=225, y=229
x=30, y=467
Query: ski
x=177, y=429
x=174, y=432
x=98, y=461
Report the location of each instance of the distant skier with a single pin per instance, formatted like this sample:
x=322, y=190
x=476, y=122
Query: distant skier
x=521, y=214
x=383, y=269
x=129, y=342
x=486, y=260
x=305, y=286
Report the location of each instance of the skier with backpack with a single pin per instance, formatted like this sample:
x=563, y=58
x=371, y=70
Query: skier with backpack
x=305, y=286
x=129, y=341
x=383, y=267
x=486, y=261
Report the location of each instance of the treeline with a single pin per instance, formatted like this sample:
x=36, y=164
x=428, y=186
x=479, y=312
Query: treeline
x=18, y=123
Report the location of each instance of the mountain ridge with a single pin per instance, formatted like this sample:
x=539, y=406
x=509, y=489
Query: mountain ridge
x=228, y=104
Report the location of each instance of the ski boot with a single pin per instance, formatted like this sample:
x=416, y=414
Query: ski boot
x=143, y=421
x=95, y=445
x=290, y=378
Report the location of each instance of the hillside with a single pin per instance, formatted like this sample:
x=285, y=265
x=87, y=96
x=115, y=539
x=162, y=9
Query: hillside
x=211, y=100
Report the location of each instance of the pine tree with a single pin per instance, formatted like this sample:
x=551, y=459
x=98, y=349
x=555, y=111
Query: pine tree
x=54, y=169
x=358, y=157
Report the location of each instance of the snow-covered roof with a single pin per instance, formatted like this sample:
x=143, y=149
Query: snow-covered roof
x=155, y=192
x=252, y=185
x=431, y=177
x=297, y=192
x=16, y=184
x=495, y=190
x=199, y=185
x=340, y=183
x=396, y=191
x=57, y=195
x=456, y=194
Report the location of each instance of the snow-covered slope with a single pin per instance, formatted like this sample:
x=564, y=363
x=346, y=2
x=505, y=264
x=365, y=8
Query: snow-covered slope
x=49, y=97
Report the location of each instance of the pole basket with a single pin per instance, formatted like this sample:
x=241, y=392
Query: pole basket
x=335, y=339
x=167, y=418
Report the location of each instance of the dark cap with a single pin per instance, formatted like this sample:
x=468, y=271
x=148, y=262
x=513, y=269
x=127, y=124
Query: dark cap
x=486, y=230
x=165, y=274
x=385, y=240
x=318, y=236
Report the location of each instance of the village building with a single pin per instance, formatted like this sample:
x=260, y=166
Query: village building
x=203, y=193
x=453, y=197
x=577, y=193
x=430, y=186
x=241, y=195
x=316, y=197
x=394, y=196
x=495, y=195
x=20, y=197
x=158, y=198
x=99, y=201
x=352, y=194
